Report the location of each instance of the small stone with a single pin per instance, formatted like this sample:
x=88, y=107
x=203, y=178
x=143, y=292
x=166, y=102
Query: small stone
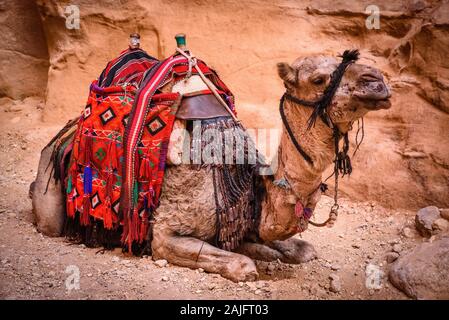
x=211, y=286
x=89, y=275
x=164, y=278
x=444, y=213
x=397, y=248
x=356, y=246
x=424, y=220
x=335, y=285
x=335, y=267
x=200, y=270
x=408, y=233
x=198, y=291
x=271, y=267
x=161, y=263
x=258, y=291
x=440, y=225
x=115, y=259
x=391, y=257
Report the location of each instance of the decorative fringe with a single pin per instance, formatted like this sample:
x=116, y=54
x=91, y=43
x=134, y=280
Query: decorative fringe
x=236, y=190
x=113, y=155
x=107, y=214
x=85, y=214
x=70, y=206
x=145, y=169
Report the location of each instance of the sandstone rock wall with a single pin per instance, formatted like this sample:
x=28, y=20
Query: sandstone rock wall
x=404, y=161
x=23, y=50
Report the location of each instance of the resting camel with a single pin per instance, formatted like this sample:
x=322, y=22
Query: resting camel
x=185, y=223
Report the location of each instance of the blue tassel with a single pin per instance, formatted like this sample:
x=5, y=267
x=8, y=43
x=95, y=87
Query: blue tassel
x=87, y=180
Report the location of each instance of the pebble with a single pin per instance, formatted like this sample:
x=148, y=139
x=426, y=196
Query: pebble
x=391, y=257
x=335, y=267
x=115, y=259
x=161, y=263
x=397, y=248
x=440, y=225
x=211, y=286
x=164, y=278
x=408, y=233
x=335, y=283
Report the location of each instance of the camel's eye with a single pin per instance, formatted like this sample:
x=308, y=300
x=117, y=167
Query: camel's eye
x=318, y=80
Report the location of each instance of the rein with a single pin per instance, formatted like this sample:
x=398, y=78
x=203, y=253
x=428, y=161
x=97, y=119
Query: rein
x=342, y=161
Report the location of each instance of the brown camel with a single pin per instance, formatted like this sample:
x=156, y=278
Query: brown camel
x=185, y=221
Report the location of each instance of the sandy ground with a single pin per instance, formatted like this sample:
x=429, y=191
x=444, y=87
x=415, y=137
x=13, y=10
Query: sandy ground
x=33, y=266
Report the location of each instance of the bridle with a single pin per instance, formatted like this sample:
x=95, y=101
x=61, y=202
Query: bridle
x=342, y=161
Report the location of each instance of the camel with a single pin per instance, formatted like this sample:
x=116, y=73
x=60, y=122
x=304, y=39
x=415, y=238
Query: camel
x=185, y=223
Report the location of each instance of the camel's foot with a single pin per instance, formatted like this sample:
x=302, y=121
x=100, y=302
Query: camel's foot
x=294, y=250
x=194, y=253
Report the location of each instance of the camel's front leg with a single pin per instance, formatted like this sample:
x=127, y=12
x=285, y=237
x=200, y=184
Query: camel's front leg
x=194, y=253
x=292, y=250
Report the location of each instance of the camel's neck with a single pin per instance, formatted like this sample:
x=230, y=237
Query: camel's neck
x=303, y=177
x=295, y=178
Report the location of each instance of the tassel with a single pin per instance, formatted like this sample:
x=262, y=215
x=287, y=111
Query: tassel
x=84, y=218
x=114, y=156
x=135, y=230
x=87, y=183
x=299, y=209
x=87, y=180
x=107, y=214
x=69, y=185
x=70, y=206
x=145, y=169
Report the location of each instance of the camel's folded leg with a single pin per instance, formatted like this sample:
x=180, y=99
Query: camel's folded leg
x=194, y=253
x=294, y=250
x=259, y=251
x=289, y=251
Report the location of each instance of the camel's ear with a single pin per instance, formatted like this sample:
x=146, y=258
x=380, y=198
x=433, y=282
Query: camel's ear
x=286, y=73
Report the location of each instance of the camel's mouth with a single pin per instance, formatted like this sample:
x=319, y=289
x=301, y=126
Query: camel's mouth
x=373, y=93
x=374, y=102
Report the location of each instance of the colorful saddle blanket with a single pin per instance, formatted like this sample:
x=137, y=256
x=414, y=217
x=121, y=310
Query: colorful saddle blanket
x=118, y=158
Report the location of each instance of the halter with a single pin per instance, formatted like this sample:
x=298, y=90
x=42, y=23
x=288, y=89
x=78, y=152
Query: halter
x=342, y=161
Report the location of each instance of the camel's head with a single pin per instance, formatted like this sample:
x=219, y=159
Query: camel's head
x=362, y=88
